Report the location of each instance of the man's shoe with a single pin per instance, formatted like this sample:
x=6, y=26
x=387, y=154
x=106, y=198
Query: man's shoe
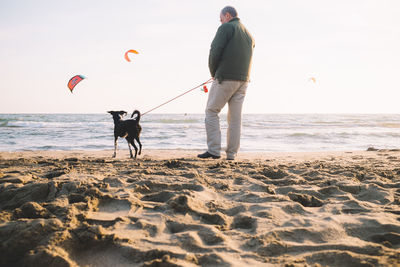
x=207, y=155
x=230, y=157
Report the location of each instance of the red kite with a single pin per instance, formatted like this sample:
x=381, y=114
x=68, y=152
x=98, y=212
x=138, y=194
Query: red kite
x=74, y=81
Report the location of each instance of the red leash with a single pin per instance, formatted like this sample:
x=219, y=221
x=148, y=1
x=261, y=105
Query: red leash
x=210, y=80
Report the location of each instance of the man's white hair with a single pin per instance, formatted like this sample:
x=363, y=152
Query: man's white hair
x=229, y=9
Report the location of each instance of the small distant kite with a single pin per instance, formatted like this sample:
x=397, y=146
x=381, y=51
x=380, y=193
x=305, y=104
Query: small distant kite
x=130, y=51
x=313, y=79
x=74, y=81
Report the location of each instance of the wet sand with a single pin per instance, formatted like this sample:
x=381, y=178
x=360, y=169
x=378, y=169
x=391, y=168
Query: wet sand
x=168, y=208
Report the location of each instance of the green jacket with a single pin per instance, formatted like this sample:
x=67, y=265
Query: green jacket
x=231, y=52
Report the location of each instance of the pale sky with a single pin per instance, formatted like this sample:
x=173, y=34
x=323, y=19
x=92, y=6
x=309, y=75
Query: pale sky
x=351, y=47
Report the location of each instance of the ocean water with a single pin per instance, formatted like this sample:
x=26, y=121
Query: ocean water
x=260, y=132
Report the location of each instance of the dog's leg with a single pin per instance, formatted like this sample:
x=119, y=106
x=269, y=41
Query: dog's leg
x=115, y=146
x=134, y=146
x=129, y=146
x=140, y=145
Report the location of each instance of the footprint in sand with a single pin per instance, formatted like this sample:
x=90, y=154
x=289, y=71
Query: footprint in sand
x=112, y=209
x=306, y=200
x=244, y=222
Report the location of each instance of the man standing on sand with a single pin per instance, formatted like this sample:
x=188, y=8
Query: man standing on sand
x=229, y=63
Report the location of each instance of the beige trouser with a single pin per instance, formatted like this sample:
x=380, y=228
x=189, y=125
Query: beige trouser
x=233, y=93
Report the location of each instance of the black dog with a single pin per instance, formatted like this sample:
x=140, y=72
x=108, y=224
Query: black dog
x=129, y=129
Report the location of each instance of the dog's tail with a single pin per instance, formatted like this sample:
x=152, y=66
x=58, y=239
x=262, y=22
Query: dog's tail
x=137, y=112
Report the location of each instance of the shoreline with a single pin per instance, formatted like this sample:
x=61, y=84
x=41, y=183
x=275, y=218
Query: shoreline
x=182, y=153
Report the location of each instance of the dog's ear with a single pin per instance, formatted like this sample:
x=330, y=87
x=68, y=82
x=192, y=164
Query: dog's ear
x=109, y=112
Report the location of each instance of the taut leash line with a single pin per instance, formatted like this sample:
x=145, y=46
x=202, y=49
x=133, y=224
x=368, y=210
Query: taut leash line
x=177, y=96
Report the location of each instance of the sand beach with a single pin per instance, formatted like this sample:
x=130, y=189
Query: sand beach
x=168, y=208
